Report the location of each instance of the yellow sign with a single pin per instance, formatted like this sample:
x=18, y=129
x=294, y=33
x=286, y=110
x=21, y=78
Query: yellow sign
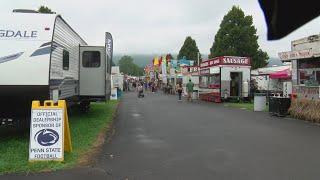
x=49, y=131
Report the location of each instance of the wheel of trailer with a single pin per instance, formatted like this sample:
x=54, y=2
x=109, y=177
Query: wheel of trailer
x=84, y=107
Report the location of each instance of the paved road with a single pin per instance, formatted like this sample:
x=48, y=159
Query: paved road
x=157, y=137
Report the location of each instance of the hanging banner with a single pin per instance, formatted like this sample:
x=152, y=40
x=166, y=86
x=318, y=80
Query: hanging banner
x=172, y=71
x=164, y=69
x=109, y=46
x=49, y=132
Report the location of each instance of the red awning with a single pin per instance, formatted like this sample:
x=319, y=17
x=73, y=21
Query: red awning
x=280, y=75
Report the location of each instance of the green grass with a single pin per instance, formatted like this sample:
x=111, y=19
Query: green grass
x=84, y=129
x=249, y=106
x=241, y=105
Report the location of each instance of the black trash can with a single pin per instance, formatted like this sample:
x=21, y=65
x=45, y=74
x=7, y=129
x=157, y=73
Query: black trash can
x=279, y=106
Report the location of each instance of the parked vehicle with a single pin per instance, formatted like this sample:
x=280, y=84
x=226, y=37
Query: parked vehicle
x=43, y=58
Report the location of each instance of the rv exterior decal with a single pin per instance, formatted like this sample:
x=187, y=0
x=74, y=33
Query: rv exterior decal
x=10, y=57
x=41, y=51
x=18, y=34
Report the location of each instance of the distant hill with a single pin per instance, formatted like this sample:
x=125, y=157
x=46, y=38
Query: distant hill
x=139, y=59
x=274, y=61
x=144, y=59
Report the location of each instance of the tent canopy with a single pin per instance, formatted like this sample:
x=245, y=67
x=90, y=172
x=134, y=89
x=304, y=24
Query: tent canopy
x=280, y=75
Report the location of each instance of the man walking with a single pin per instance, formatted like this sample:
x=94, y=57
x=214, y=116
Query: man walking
x=190, y=86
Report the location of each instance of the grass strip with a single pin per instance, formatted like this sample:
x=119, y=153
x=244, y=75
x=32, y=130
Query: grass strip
x=84, y=128
x=249, y=106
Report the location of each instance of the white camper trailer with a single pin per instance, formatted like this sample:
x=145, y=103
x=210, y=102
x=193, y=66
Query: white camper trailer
x=41, y=58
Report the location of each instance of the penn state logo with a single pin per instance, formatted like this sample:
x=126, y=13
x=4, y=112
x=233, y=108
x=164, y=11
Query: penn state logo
x=46, y=137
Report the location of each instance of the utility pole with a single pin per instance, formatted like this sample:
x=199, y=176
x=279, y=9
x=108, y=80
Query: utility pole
x=198, y=59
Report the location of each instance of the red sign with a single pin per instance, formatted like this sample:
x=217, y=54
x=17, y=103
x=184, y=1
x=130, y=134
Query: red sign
x=226, y=60
x=234, y=60
x=210, y=63
x=194, y=69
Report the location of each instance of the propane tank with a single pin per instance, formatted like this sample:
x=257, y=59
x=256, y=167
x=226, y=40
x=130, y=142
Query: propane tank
x=245, y=89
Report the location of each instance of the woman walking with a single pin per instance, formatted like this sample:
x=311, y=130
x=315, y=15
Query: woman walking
x=179, y=89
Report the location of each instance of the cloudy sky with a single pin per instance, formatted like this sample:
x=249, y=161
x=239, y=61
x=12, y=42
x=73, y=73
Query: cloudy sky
x=157, y=27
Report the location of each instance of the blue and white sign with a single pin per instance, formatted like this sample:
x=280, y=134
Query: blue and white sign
x=114, y=95
x=46, y=132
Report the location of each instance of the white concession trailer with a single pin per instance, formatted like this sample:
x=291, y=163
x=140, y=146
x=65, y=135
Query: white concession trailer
x=43, y=58
x=224, y=78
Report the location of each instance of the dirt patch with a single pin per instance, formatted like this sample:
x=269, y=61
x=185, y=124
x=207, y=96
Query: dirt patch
x=89, y=158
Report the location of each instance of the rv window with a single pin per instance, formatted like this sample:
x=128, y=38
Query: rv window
x=65, y=61
x=91, y=59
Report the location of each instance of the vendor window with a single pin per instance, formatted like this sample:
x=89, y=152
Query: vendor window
x=309, y=72
x=214, y=81
x=203, y=81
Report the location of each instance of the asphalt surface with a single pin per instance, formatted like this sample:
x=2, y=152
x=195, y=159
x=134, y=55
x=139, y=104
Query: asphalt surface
x=158, y=137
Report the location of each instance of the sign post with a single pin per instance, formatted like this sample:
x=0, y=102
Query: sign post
x=49, y=132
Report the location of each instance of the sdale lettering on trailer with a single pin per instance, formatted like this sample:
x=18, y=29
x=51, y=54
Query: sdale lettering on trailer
x=21, y=34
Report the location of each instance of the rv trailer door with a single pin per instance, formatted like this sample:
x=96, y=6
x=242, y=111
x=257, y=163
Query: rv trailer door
x=92, y=72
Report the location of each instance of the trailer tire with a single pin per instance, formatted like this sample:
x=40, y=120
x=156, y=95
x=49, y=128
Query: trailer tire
x=84, y=107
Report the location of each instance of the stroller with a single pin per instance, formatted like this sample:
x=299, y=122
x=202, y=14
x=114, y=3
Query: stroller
x=140, y=91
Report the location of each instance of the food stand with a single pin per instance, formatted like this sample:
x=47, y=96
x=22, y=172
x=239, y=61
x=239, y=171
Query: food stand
x=271, y=80
x=225, y=77
x=305, y=58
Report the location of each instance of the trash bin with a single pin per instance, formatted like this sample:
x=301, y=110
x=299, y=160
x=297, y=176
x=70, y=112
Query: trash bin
x=273, y=105
x=279, y=106
x=260, y=101
x=195, y=94
x=118, y=92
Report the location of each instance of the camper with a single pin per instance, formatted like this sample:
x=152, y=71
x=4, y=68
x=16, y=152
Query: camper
x=43, y=58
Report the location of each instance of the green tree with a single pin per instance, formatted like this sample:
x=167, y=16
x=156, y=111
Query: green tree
x=44, y=9
x=189, y=50
x=211, y=51
x=127, y=66
x=237, y=37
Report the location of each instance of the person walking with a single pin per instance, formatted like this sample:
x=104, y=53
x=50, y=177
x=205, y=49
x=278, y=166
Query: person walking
x=152, y=87
x=179, y=89
x=190, y=86
x=146, y=85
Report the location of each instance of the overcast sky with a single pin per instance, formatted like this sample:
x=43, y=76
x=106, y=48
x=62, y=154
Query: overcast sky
x=157, y=27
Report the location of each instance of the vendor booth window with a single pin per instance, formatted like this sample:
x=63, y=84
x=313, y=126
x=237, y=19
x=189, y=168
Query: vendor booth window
x=309, y=71
x=214, y=81
x=203, y=81
x=309, y=63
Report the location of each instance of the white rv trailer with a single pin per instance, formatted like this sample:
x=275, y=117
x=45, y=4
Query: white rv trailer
x=42, y=58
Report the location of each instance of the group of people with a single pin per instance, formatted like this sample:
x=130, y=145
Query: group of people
x=153, y=86
x=178, y=89
x=132, y=84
